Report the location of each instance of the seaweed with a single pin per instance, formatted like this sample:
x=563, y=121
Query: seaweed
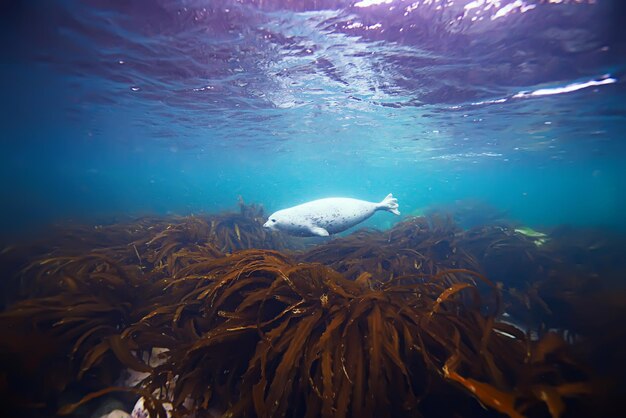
x=403, y=322
x=244, y=230
x=158, y=246
x=415, y=246
x=296, y=339
x=52, y=341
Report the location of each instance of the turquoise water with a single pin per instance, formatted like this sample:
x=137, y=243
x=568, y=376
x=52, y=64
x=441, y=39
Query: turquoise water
x=113, y=111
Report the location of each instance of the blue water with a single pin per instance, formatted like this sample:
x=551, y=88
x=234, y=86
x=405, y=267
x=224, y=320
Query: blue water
x=124, y=108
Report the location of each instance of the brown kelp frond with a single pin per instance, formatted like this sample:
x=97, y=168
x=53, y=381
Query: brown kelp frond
x=542, y=383
x=159, y=246
x=414, y=246
x=223, y=233
x=91, y=273
x=191, y=303
x=54, y=341
x=501, y=401
x=275, y=338
x=175, y=247
x=69, y=329
x=244, y=230
x=372, y=324
x=124, y=263
x=280, y=311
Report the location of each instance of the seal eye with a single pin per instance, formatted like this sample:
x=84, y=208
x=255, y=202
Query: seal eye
x=273, y=220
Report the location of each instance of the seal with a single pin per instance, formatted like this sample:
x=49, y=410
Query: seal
x=327, y=216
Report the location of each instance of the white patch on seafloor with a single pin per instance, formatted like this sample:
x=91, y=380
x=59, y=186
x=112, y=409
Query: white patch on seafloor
x=117, y=413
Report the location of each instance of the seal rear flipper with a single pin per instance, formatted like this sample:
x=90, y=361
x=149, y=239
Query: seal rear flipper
x=390, y=204
x=319, y=231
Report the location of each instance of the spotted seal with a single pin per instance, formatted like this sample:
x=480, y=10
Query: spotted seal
x=327, y=216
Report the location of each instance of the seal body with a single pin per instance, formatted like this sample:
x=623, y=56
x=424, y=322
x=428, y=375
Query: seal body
x=327, y=216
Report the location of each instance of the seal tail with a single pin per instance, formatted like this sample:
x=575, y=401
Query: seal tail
x=390, y=204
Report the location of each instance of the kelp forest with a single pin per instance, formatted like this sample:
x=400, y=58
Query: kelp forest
x=214, y=316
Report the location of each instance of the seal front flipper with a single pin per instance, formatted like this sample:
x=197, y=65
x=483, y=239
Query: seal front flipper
x=319, y=231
